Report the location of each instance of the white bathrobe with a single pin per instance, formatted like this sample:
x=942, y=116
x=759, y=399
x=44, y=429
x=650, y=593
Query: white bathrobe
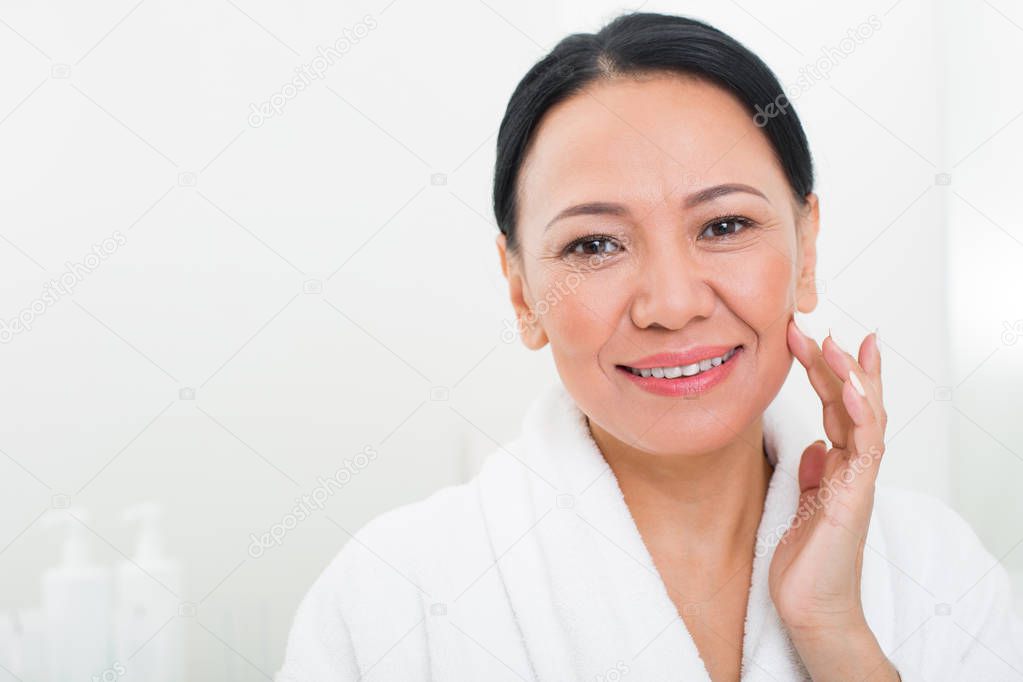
x=535, y=570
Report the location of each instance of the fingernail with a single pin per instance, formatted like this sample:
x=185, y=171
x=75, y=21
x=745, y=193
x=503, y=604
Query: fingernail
x=856, y=383
x=835, y=339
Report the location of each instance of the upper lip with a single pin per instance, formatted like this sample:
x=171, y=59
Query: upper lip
x=688, y=356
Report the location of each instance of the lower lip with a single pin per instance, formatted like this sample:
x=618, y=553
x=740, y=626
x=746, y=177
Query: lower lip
x=685, y=386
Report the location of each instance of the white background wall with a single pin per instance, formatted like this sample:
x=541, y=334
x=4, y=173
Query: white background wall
x=984, y=135
x=135, y=117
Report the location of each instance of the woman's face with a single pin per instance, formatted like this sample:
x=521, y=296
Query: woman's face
x=648, y=264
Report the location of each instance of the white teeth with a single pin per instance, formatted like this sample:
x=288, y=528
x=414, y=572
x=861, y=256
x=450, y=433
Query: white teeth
x=683, y=370
x=690, y=370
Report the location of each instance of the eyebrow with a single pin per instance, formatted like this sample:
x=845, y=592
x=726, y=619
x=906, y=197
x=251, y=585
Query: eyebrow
x=619, y=210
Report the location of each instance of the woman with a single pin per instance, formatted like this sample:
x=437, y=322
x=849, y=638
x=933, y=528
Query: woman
x=666, y=513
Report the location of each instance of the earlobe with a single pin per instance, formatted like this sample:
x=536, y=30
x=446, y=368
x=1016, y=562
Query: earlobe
x=534, y=337
x=530, y=330
x=806, y=294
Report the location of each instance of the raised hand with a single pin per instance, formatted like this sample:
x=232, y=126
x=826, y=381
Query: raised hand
x=815, y=572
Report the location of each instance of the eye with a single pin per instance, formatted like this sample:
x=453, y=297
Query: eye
x=719, y=228
x=593, y=245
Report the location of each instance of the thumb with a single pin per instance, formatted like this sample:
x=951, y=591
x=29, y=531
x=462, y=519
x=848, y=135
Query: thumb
x=811, y=465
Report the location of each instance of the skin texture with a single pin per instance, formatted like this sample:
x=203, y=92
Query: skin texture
x=661, y=276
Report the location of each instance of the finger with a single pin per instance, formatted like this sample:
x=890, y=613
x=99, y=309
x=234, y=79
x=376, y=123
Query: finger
x=811, y=466
x=870, y=360
x=863, y=403
x=825, y=382
x=801, y=345
x=841, y=362
x=868, y=357
x=867, y=433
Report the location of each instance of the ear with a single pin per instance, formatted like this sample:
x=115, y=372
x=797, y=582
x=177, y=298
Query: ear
x=527, y=321
x=806, y=232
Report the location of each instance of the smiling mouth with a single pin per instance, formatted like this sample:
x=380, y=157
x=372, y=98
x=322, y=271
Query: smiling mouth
x=678, y=371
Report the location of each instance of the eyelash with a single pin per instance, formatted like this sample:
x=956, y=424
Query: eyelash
x=746, y=223
x=741, y=220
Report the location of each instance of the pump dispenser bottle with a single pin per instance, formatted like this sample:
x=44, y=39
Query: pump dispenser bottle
x=148, y=589
x=76, y=605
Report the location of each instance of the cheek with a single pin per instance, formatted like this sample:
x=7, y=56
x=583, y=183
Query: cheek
x=760, y=292
x=581, y=311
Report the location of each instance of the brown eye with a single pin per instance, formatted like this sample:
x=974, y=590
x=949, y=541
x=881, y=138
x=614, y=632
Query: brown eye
x=723, y=227
x=593, y=245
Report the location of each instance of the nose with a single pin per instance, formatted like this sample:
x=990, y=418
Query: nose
x=672, y=289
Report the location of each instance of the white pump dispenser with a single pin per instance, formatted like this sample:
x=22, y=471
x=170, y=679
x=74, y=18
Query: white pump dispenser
x=76, y=605
x=148, y=589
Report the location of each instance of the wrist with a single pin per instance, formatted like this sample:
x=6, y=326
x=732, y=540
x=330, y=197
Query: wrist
x=843, y=654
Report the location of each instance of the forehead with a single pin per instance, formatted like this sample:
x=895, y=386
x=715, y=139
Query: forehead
x=635, y=140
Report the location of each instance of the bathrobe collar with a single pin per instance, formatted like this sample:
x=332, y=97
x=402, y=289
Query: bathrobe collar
x=589, y=601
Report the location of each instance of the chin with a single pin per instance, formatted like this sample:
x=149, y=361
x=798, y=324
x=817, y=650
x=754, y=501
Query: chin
x=690, y=429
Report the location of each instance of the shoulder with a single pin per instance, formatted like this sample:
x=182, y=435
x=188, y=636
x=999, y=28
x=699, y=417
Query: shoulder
x=953, y=597
x=377, y=587
x=931, y=545
x=410, y=537
x=918, y=516
x=903, y=510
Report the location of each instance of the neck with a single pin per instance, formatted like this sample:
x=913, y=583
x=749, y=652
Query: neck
x=703, y=508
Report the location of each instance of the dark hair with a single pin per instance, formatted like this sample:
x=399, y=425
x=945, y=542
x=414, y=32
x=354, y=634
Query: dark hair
x=633, y=44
